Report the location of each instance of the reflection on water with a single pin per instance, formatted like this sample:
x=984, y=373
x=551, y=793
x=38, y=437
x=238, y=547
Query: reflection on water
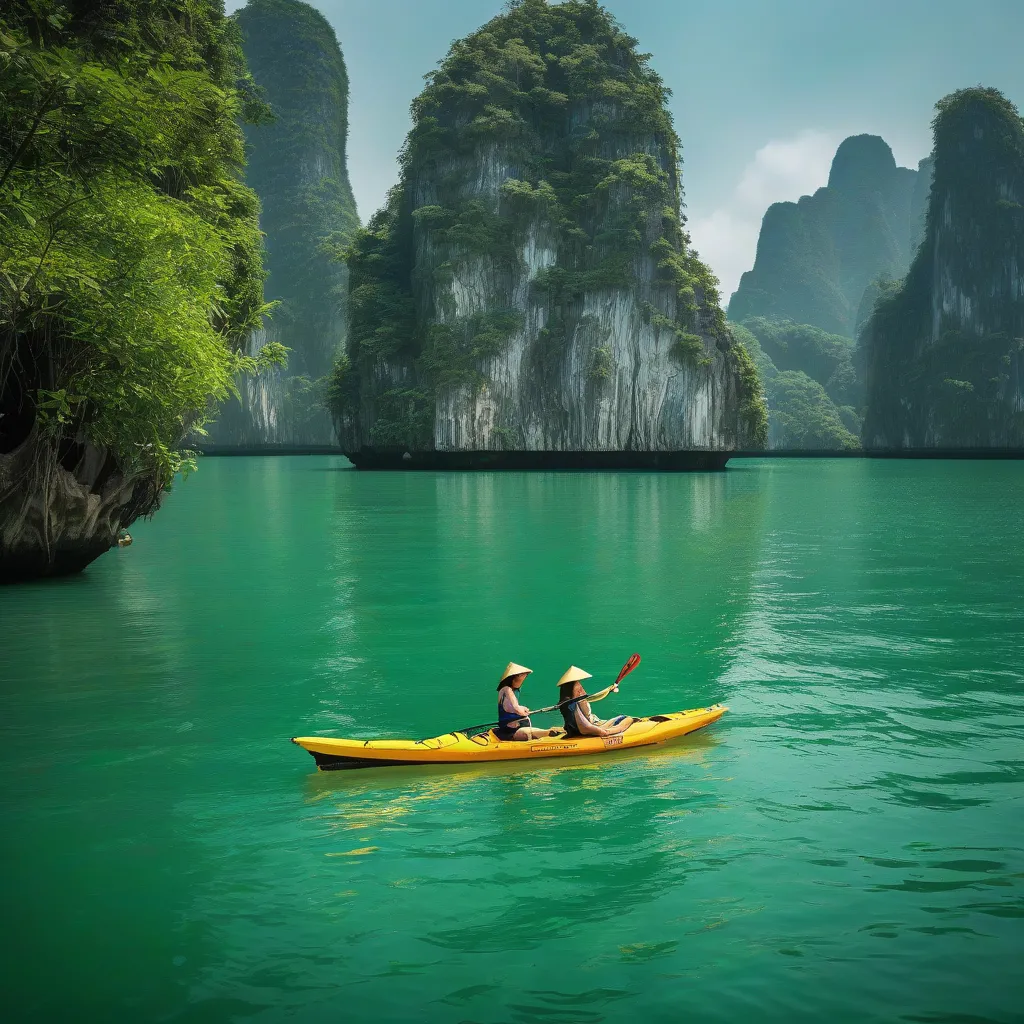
x=436, y=780
x=844, y=844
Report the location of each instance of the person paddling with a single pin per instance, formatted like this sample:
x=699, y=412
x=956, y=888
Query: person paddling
x=514, y=718
x=579, y=719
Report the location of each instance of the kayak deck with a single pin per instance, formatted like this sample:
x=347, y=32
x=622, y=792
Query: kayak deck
x=457, y=748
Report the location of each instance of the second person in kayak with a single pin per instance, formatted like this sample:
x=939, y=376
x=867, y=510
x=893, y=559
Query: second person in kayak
x=576, y=713
x=514, y=718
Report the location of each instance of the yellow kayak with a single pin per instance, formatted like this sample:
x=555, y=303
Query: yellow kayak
x=459, y=748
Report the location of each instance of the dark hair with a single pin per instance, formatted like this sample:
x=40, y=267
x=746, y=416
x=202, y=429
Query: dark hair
x=566, y=690
x=505, y=681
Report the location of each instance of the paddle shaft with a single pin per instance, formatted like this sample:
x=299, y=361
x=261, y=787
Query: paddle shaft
x=600, y=695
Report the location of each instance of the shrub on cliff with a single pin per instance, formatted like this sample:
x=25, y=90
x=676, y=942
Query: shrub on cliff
x=130, y=255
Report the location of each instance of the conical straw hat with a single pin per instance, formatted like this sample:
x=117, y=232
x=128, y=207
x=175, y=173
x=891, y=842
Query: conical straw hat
x=512, y=669
x=574, y=675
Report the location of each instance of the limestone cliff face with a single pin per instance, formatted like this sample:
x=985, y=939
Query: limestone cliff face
x=530, y=285
x=611, y=378
x=73, y=512
x=817, y=257
x=944, y=355
x=297, y=166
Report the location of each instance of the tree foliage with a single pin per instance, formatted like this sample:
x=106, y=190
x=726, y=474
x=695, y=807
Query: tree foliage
x=130, y=255
x=800, y=412
x=826, y=358
x=806, y=417
x=752, y=395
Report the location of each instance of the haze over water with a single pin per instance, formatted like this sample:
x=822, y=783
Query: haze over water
x=846, y=844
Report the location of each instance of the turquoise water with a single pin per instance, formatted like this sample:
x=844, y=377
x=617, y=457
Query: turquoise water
x=847, y=843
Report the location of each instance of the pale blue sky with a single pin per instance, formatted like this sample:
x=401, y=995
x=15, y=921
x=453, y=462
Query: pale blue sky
x=763, y=89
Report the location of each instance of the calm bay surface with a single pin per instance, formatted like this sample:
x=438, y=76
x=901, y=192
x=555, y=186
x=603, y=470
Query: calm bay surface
x=846, y=844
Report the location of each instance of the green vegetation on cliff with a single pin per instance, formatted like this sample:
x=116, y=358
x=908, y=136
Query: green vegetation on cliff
x=293, y=54
x=559, y=94
x=130, y=256
x=944, y=351
x=826, y=358
x=753, y=394
x=809, y=382
x=806, y=416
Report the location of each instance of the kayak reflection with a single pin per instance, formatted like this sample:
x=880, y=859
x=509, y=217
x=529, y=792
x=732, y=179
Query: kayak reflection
x=385, y=830
x=426, y=782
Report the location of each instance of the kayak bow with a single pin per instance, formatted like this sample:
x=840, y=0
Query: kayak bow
x=457, y=748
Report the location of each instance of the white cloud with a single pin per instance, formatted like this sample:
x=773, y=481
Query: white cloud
x=784, y=169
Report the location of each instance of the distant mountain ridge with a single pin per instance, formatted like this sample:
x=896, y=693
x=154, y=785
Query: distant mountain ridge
x=818, y=256
x=298, y=168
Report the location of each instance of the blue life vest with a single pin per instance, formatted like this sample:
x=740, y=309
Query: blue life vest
x=509, y=721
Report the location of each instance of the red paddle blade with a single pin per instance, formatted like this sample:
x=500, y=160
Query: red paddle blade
x=634, y=660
